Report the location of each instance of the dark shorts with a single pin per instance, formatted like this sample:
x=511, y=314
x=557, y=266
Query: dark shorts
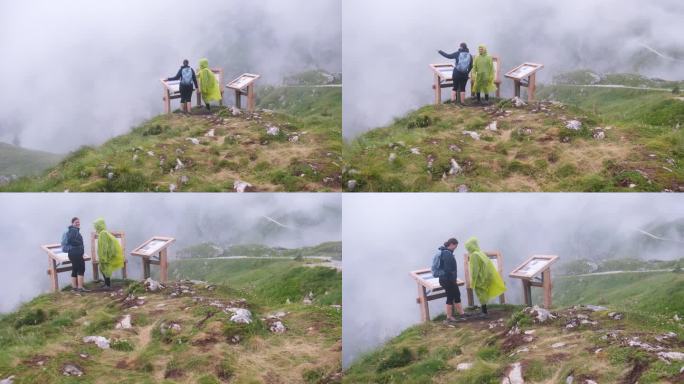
x=451, y=290
x=186, y=93
x=459, y=81
x=77, y=264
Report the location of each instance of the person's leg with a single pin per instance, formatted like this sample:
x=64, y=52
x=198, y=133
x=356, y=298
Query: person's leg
x=453, y=95
x=463, y=97
x=486, y=96
x=208, y=106
x=478, y=97
x=74, y=282
x=74, y=273
x=449, y=311
x=484, y=308
x=108, y=282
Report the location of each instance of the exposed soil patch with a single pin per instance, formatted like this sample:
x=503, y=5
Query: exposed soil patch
x=636, y=372
x=37, y=361
x=557, y=357
x=173, y=373
x=123, y=364
x=512, y=342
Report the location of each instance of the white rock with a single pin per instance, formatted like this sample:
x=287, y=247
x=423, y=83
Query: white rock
x=272, y=130
x=240, y=315
x=455, y=168
x=392, y=157
x=671, y=356
x=454, y=148
x=676, y=317
x=632, y=185
x=241, y=186
x=293, y=139
x=600, y=135
x=558, y=345
x=491, y=126
x=464, y=366
x=588, y=381
x=277, y=327
x=179, y=164
x=569, y=380
x=473, y=135
x=351, y=185
x=530, y=331
x=71, y=370
x=172, y=187
x=110, y=175
x=540, y=314
x=235, y=111
x=211, y=133
x=184, y=179
x=514, y=375
x=575, y=125
x=518, y=102
x=101, y=342
x=193, y=140
x=124, y=322
x=596, y=308
x=152, y=285
x=415, y=151
x=9, y=380
x=462, y=188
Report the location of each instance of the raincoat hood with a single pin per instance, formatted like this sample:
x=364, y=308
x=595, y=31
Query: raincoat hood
x=100, y=225
x=471, y=245
x=483, y=48
x=209, y=86
x=109, y=251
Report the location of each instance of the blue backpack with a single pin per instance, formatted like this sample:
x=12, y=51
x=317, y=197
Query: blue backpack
x=186, y=76
x=463, y=65
x=437, y=270
x=65, y=243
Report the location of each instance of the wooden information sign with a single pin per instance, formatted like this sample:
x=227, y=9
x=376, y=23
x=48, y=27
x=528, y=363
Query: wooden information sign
x=428, y=289
x=497, y=259
x=525, y=75
x=529, y=271
x=244, y=85
x=121, y=237
x=154, y=252
x=58, y=261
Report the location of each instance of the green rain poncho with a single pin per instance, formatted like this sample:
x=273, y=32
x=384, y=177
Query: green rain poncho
x=109, y=252
x=208, y=84
x=483, y=73
x=484, y=278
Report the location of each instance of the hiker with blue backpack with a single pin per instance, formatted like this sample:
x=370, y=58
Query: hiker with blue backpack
x=72, y=245
x=444, y=267
x=187, y=78
x=462, y=66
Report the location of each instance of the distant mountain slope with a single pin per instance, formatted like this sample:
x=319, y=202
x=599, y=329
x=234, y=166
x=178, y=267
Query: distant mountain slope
x=25, y=162
x=292, y=144
x=331, y=249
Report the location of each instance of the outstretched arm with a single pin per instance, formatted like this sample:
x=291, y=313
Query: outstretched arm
x=177, y=77
x=448, y=55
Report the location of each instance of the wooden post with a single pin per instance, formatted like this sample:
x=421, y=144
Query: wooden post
x=124, y=273
x=527, y=292
x=466, y=273
x=146, y=267
x=163, y=266
x=547, y=285
x=438, y=91
x=251, y=98
x=199, y=98
x=238, y=103
x=52, y=271
x=516, y=84
x=424, y=307
x=167, y=101
x=531, y=87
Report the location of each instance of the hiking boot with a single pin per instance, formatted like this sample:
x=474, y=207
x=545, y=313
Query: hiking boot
x=84, y=290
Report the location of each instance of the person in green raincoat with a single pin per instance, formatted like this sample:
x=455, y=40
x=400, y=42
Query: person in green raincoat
x=208, y=85
x=484, y=277
x=483, y=74
x=109, y=252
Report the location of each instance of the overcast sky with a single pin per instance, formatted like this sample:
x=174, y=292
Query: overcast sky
x=386, y=236
x=77, y=72
x=28, y=221
x=388, y=44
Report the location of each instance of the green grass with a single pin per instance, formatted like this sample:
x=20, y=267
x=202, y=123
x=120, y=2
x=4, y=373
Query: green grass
x=532, y=150
x=331, y=249
x=240, y=150
x=25, y=162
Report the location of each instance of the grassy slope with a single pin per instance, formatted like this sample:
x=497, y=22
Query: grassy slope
x=240, y=150
x=640, y=145
x=307, y=353
x=331, y=249
x=648, y=301
x=25, y=162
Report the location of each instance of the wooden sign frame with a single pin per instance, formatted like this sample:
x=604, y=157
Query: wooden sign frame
x=121, y=236
x=528, y=277
x=157, y=256
x=58, y=263
x=492, y=255
x=244, y=85
x=527, y=79
x=442, y=78
x=428, y=290
x=218, y=72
